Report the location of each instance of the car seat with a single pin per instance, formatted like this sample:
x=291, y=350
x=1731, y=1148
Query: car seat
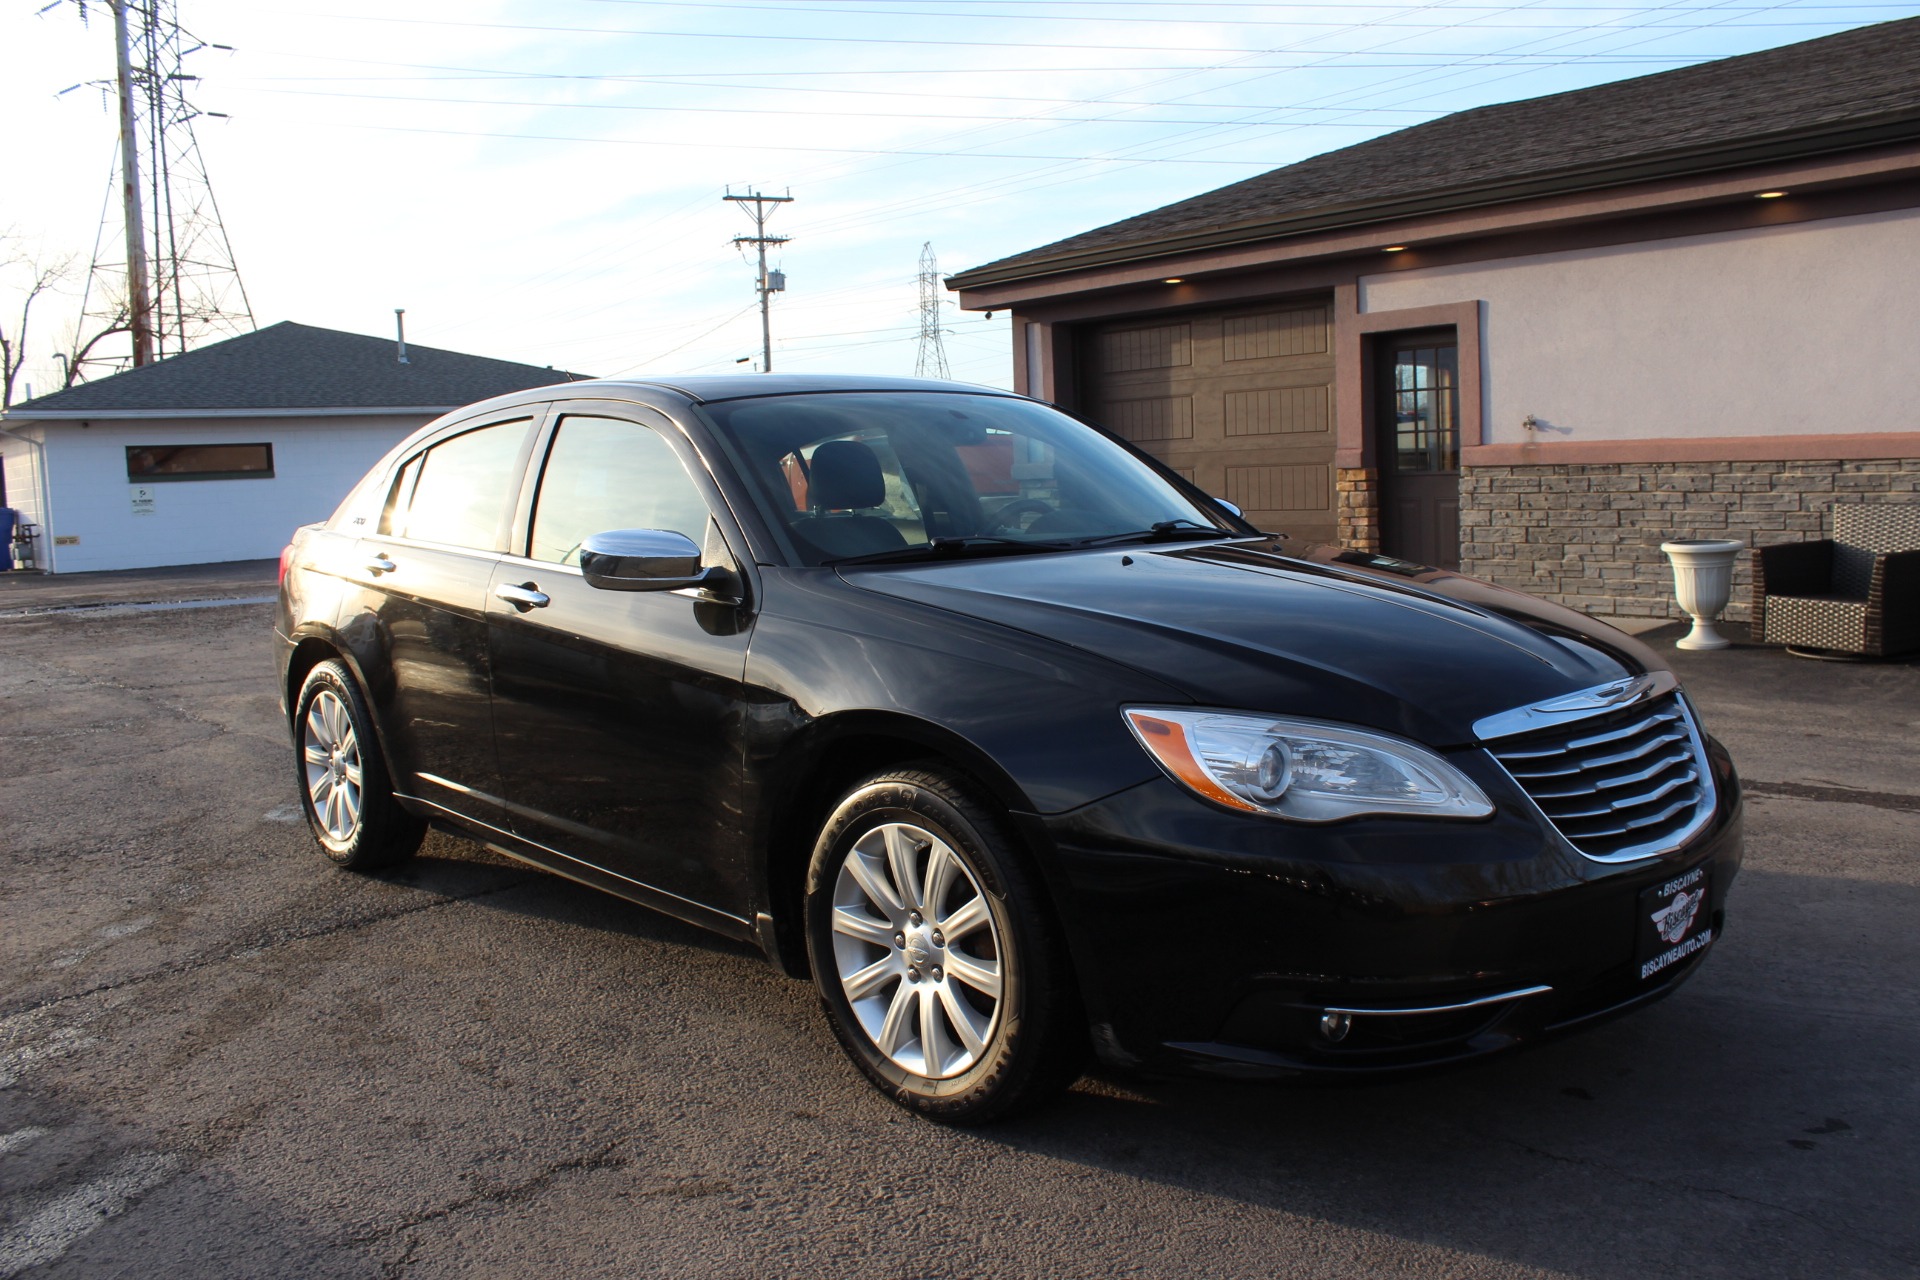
x=843, y=481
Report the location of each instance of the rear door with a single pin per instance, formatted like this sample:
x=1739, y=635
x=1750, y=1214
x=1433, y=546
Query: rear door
x=419, y=617
x=618, y=714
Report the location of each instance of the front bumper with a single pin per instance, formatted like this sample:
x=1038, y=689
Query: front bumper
x=1208, y=941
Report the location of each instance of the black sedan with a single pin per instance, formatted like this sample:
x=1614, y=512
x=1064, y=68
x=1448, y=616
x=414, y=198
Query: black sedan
x=1011, y=740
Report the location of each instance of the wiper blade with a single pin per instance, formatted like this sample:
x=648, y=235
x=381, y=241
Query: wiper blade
x=942, y=548
x=1164, y=531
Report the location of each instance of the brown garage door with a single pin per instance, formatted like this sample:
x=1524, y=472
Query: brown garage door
x=1240, y=402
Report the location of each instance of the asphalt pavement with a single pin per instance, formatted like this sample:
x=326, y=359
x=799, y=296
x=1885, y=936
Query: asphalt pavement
x=221, y=1057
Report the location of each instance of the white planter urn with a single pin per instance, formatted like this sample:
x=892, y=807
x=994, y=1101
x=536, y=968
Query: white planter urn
x=1703, y=583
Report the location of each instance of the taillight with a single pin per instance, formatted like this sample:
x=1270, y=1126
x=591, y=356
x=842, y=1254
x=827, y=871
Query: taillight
x=286, y=560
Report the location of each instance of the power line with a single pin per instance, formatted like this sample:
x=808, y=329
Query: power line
x=1186, y=21
x=689, y=342
x=753, y=111
x=745, y=146
x=1271, y=5
x=797, y=39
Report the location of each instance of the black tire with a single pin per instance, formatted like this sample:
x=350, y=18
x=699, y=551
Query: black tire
x=1032, y=1035
x=380, y=833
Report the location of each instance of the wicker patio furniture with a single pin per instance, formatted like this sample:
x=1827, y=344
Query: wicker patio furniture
x=1857, y=592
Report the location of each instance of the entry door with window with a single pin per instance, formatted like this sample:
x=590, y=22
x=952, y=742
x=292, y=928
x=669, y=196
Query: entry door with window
x=1417, y=445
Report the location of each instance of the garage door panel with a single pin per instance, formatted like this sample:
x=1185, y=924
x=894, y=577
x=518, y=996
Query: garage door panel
x=1273, y=411
x=1266, y=335
x=1149, y=419
x=1241, y=401
x=1300, y=487
x=1164, y=346
x=1272, y=379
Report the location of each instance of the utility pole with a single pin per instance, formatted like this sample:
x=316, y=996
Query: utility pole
x=139, y=304
x=768, y=283
x=931, y=362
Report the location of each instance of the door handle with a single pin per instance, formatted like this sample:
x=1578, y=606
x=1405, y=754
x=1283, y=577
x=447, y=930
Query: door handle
x=379, y=564
x=522, y=597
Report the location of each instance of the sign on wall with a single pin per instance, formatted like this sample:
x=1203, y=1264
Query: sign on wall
x=142, y=499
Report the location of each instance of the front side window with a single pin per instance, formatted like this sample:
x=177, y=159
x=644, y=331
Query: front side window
x=857, y=474
x=607, y=473
x=458, y=491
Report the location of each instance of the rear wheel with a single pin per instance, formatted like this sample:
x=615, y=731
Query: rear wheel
x=935, y=958
x=344, y=786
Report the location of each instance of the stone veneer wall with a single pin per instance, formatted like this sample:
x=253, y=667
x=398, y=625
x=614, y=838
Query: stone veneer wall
x=1357, y=507
x=1589, y=535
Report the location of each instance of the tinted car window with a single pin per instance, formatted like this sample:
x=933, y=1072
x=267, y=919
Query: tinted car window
x=606, y=473
x=459, y=488
x=857, y=473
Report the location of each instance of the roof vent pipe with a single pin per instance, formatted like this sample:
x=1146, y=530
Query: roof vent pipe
x=400, y=331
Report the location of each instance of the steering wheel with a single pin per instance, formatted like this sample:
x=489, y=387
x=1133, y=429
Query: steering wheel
x=1003, y=519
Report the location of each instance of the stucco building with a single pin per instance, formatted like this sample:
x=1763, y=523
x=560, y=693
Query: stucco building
x=220, y=453
x=1532, y=340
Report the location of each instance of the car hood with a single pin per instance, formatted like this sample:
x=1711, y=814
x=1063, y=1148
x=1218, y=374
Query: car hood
x=1324, y=633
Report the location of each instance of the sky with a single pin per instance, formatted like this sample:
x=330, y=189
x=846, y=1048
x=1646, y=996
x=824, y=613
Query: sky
x=543, y=180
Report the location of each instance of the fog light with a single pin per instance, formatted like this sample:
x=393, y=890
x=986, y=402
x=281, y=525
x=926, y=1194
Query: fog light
x=1334, y=1026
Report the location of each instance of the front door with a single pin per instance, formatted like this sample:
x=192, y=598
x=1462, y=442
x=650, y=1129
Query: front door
x=1417, y=444
x=617, y=714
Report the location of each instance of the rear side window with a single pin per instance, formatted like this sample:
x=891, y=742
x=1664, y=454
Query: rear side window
x=458, y=491
x=604, y=474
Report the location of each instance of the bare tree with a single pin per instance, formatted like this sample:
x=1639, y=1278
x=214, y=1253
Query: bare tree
x=36, y=276
x=78, y=350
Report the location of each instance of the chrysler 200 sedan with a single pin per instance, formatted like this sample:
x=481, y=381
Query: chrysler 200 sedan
x=1007, y=737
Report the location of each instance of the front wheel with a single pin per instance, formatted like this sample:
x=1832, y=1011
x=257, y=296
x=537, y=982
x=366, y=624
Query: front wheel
x=344, y=785
x=936, y=962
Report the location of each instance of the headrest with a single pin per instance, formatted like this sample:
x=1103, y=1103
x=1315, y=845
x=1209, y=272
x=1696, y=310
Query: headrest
x=844, y=475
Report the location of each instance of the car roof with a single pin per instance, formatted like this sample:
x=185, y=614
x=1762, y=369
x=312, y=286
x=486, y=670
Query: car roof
x=711, y=388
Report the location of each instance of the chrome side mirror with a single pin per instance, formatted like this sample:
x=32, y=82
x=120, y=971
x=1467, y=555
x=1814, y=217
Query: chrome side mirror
x=1231, y=509
x=646, y=560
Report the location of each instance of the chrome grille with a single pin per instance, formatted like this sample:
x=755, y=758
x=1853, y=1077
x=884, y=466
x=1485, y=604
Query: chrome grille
x=1621, y=784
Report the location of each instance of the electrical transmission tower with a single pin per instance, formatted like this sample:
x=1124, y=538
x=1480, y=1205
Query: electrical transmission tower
x=768, y=283
x=178, y=285
x=931, y=362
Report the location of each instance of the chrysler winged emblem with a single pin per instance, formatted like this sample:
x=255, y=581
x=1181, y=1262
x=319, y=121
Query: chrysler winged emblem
x=1674, y=919
x=1601, y=696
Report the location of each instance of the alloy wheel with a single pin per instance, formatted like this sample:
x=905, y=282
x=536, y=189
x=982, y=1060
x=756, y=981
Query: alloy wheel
x=917, y=950
x=330, y=753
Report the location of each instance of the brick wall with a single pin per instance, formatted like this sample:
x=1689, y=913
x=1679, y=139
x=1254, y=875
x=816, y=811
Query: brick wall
x=1589, y=535
x=1357, y=507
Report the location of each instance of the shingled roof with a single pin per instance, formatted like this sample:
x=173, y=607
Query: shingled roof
x=1841, y=92
x=297, y=366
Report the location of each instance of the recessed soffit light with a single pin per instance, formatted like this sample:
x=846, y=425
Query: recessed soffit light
x=1769, y=195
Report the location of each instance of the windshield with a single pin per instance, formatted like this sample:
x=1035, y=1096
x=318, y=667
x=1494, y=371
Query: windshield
x=866, y=474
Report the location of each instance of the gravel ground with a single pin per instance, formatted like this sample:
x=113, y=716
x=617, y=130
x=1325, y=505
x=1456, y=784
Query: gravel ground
x=219, y=1056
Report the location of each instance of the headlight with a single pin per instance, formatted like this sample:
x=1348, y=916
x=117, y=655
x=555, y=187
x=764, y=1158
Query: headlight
x=1302, y=769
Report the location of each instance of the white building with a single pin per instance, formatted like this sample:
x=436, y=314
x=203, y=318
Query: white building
x=218, y=454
